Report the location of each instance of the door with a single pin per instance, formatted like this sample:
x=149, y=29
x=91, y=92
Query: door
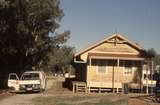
x=13, y=81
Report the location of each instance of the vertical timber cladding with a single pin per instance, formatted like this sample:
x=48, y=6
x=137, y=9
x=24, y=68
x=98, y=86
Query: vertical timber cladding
x=114, y=59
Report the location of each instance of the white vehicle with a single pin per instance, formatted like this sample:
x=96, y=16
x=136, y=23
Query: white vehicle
x=29, y=81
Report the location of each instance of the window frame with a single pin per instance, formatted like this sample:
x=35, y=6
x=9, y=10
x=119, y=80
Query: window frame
x=102, y=66
x=127, y=69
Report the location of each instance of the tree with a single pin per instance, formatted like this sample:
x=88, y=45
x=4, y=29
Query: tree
x=154, y=56
x=151, y=52
x=61, y=59
x=25, y=32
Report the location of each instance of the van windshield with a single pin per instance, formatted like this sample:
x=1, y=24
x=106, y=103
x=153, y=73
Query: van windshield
x=30, y=76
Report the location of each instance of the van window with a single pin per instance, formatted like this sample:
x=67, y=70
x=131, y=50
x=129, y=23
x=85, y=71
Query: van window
x=14, y=77
x=30, y=76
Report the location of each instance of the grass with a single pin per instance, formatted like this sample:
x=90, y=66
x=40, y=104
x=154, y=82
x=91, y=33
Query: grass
x=79, y=100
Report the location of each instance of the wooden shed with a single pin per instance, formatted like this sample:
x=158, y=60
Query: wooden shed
x=110, y=63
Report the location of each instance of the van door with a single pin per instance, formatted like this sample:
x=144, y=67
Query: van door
x=13, y=81
x=43, y=80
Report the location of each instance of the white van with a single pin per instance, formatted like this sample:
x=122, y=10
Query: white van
x=29, y=81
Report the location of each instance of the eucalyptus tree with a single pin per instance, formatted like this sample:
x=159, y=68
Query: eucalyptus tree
x=28, y=32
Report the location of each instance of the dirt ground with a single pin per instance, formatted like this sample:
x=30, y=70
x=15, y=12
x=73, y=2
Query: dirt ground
x=4, y=94
x=26, y=99
x=133, y=99
x=141, y=100
x=56, y=90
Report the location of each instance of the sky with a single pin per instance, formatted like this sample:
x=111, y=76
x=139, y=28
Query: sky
x=93, y=20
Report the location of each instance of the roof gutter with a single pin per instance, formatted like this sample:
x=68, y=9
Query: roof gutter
x=75, y=61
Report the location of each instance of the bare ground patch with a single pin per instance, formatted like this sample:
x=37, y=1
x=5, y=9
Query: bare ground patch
x=68, y=98
x=57, y=95
x=4, y=94
x=81, y=99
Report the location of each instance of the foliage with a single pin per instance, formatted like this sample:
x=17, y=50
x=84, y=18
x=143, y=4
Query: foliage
x=151, y=52
x=60, y=59
x=28, y=32
x=154, y=56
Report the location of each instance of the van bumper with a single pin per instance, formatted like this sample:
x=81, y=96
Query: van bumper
x=30, y=87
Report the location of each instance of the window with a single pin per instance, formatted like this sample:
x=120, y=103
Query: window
x=102, y=69
x=102, y=66
x=13, y=77
x=127, y=67
x=30, y=76
x=149, y=76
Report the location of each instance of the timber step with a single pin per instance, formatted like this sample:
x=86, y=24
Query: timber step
x=92, y=89
x=79, y=86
